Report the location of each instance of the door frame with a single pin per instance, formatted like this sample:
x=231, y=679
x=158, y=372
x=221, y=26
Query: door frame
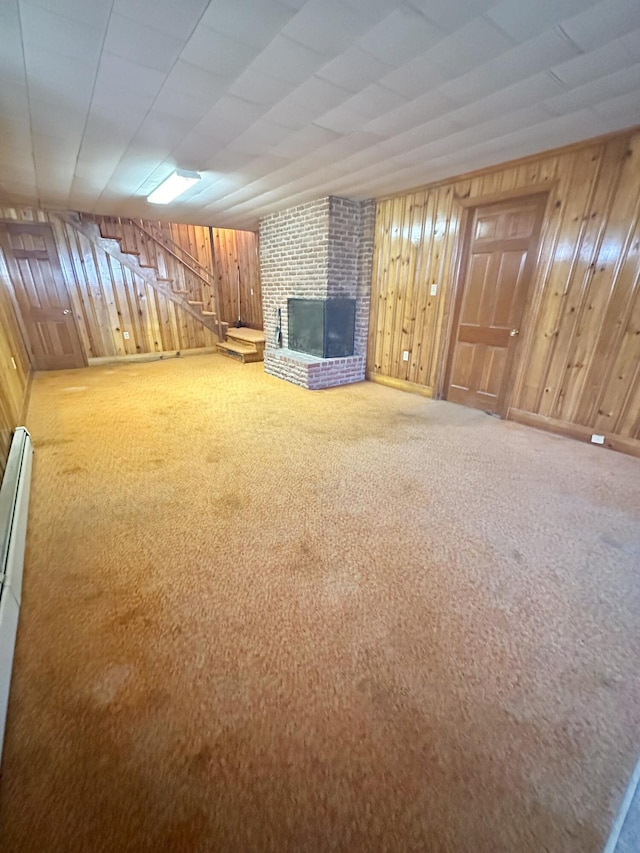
x=14, y=299
x=453, y=301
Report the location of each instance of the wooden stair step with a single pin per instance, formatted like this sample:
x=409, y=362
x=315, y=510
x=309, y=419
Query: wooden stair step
x=247, y=336
x=192, y=301
x=209, y=313
x=241, y=352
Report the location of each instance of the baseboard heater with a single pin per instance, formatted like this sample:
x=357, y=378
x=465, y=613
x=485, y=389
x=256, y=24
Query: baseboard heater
x=14, y=508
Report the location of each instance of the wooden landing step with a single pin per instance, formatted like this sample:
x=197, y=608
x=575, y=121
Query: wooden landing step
x=243, y=344
x=241, y=352
x=255, y=337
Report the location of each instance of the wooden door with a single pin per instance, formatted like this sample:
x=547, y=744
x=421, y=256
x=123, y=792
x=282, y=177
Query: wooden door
x=498, y=260
x=42, y=296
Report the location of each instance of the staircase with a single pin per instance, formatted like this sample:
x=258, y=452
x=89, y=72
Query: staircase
x=163, y=264
x=244, y=345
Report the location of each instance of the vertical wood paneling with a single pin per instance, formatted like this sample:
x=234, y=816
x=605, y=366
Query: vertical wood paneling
x=13, y=379
x=579, y=352
x=233, y=251
x=237, y=252
x=109, y=300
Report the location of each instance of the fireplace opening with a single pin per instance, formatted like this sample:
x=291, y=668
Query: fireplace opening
x=322, y=327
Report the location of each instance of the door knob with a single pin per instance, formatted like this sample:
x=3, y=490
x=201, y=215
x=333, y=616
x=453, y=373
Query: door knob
x=514, y=333
x=66, y=311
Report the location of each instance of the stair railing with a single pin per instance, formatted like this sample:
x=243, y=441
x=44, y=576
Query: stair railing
x=183, y=257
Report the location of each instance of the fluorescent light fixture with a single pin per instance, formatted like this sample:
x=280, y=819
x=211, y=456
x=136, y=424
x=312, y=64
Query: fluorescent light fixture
x=177, y=183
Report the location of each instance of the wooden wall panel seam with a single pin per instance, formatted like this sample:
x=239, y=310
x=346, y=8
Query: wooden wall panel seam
x=575, y=314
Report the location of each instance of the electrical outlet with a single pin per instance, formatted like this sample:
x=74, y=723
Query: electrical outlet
x=597, y=439
x=405, y=355
x=125, y=335
x=252, y=291
x=433, y=290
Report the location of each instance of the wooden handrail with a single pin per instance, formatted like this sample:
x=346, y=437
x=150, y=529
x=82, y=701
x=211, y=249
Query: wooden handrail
x=168, y=245
x=207, y=278
x=171, y=246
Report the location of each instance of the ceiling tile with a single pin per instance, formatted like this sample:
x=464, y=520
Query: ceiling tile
x=627, y=80
x=11, y=54
x=522, y=94
x=625, y=107
x=218, y=53
x=417, y=137
x=277, y=101
x=65, y=36
x=93, y=12
x=53, y=149
x=449, y=15
x=320, y=94
x=589, y=66
x=304, y=141
x=50, y=117
x=98, y=128
x=253, y=22
x=174, y=17
x=51, y=75
x=403, y=34
x=189, y=111
x=326, y=26
x=354, y=69
x=121, y=106
x=292, y=113
x=521, y=20
x=223, y=160
x=471, y=45
x=631, y=42
x=260, y=137
x=141, y=44
x=340, y=119
x=156, y=126
x=409, y=115
x=229, y=118
x=373, y=10
x=374, y=101
x=259, y=167
x=120, y=74
x=285, y=59
x=524, y=60
x=415, y=78
x=260, y=88
x=187, y=79
x=603, y=22
x=14, y=101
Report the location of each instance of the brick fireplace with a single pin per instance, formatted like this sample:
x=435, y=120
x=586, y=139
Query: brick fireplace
x=322, y=250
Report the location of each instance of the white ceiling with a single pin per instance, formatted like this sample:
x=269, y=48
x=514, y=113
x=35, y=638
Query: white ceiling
x=277, y=102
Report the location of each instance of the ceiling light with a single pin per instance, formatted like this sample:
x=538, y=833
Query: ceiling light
x=173, y=186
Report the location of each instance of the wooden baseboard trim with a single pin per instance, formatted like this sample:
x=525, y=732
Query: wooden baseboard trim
x=150, y=356
x=400, y=384
x=581, y=433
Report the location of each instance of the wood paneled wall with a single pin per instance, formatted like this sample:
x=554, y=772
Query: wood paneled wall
x=578, y=360
x=235, y=254
x=236, y=260
x=14, y=368
x=109, y=301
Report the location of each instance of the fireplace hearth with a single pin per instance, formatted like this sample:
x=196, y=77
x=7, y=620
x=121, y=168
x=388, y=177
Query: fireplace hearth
x=322, y=327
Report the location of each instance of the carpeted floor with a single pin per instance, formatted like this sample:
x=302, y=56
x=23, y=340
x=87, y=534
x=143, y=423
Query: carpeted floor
x=257, y=618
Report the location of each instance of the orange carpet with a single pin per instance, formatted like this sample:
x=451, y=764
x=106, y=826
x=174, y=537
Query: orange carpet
x=257, y=618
